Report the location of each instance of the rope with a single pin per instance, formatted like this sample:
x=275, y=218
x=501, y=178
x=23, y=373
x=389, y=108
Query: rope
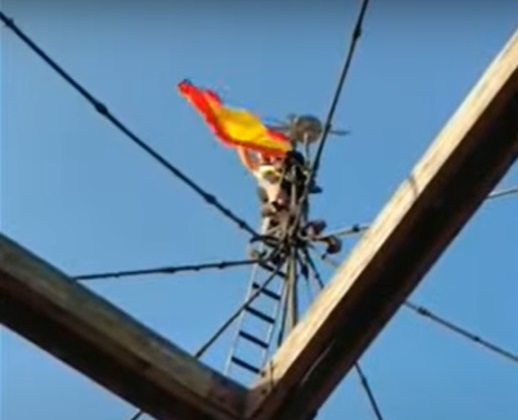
x=502, y=192
x=355, y=37
x=420, y=310
x=166, y=270
x=103, y=110
x=368, y=391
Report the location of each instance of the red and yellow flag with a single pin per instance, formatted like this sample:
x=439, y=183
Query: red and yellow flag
x=234, y=127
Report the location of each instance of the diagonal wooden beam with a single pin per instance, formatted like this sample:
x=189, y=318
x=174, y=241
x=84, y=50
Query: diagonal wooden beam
x=468, y=158
x=87, y=332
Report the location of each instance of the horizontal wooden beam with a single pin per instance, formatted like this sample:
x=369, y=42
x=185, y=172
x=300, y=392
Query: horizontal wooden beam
x=469, y=157
x=92, y=335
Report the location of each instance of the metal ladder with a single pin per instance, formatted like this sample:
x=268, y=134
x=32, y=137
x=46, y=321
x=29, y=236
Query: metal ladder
x=256, y=324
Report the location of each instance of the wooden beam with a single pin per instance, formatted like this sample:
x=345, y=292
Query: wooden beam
x=87, y=332
x=469, y=157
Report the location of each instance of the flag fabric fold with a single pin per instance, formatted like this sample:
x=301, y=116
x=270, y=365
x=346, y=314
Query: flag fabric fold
x=234, y=127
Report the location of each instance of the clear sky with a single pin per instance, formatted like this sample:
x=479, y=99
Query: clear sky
x=79, y=194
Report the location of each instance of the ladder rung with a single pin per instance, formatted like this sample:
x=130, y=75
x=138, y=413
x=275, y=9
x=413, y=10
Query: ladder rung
x=259, y=314
x=267, y=292
x=253, y=339
x=245, y=365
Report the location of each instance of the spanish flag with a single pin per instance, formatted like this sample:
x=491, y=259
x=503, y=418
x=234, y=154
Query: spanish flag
x=234, y=127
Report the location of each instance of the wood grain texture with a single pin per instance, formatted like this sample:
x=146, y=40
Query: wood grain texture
x=92, y=335
x=469, y=157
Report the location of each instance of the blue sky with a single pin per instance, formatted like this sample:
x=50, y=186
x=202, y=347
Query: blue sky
x=78, y=193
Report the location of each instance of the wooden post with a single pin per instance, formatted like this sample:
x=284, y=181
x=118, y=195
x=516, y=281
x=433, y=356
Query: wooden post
x=469, y=157
x=90, y=334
